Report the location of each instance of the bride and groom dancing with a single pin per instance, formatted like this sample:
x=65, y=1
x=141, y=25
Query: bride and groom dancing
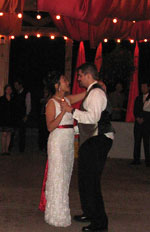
x=96, y=136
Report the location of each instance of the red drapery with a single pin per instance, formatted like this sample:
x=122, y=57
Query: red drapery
x=95, y=11
x=92, y=20
x=98, y=57
x=43, y=199
x=133, y=91
x=9, y=22
x=80, y=60
x=84, y=10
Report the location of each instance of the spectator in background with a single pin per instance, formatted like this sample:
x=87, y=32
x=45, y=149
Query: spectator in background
x=43, y=132
x=22, y=102
x=117, y=99
x=6, y=118
x=142, y=125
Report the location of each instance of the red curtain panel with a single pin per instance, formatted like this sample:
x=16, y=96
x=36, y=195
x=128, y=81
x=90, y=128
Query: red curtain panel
x=133, y=91
x=80, y=60
x=92, y=20
x=98, y=57
x=9, y=22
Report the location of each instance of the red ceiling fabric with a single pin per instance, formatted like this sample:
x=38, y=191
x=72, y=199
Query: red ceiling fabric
x=92, y=20
x=9, y=22
x=85, y=10
x=8, y=5
x=72, y=28
x=141, y=30
x=95, y=11
x=133, y=91
x=107, y=29
x=80, y=60
x=130, y=10
x=98, y=57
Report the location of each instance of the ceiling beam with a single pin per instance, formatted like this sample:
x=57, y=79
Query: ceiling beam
x=44, y=31
x=35, y=22
x=30, y=5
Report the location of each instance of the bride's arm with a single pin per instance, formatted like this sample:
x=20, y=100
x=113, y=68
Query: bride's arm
x=51, y=121
x=76, y=97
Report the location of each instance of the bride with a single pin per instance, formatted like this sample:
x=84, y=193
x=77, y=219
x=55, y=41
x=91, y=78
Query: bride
x=60, y=151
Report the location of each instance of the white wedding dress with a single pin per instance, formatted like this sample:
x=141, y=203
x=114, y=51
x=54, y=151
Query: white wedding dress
x=60, y=164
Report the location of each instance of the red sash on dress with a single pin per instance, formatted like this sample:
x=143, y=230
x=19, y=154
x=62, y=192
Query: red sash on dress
x=65, y=126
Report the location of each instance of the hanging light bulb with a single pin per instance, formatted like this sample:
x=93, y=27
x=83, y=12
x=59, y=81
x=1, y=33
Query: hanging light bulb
x=58, y=17
x=26, y=36
x=145, y=40
x=105, y=40
x=65, y=37
x=132, y=41
x=118, y=40
x=1, y=13
x=38, y=16
x=12, y=37
x=133, y=21
x=38, y=35
x=52, y=36
x=19, y=15
x=115, y=20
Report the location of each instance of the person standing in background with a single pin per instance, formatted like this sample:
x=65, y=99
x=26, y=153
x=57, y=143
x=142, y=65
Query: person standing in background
x=6, y=118
x=142, y=125
x=22, y=101
x=117, y=99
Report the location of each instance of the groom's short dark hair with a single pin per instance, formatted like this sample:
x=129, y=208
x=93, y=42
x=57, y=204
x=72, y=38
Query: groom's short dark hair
x=89, y=68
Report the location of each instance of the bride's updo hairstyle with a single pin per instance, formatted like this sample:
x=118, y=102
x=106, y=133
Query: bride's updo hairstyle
x=52, y=79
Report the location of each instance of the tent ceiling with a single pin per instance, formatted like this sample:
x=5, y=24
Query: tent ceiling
x=30, y=5
x=92, y=20
x=81, y=19
x=11, y=25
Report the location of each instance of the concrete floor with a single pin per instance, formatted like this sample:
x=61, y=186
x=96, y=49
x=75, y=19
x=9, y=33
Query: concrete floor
x=126, y=191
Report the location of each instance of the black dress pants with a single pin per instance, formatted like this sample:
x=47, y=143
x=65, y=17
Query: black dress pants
x=141, y=132
x=92, y=157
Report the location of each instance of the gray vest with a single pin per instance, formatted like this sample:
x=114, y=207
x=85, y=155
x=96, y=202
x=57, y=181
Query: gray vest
x=103, y=125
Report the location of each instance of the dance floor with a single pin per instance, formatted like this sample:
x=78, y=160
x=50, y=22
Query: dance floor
x=126, y=191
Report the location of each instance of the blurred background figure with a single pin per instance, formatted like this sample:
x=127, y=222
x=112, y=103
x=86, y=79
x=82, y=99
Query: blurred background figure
x=117, y=100
x=22, y=101
x=43, y=132
x=6, y=118
x=142, y=125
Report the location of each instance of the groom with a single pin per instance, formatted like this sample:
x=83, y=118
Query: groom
x=96, y=136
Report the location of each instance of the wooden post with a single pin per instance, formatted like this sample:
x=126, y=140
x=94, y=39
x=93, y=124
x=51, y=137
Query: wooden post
x=4, y=62
x=68, y=59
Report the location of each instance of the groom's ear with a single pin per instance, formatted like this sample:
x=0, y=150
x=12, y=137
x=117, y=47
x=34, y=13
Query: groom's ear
x=89, y=76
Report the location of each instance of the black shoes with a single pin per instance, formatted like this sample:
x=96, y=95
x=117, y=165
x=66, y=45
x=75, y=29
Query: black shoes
x=90, y=228
x=81, y=218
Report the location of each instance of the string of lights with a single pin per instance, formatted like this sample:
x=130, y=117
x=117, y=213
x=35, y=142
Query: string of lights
x=53, y=36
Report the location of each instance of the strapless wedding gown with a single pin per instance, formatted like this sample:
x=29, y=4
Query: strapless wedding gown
x=60, y=165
